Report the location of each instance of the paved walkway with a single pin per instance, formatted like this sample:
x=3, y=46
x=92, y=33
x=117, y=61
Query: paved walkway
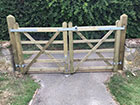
x=76, y=89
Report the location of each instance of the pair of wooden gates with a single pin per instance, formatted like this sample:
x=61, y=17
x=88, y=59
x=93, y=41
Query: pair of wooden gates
x=66, y=64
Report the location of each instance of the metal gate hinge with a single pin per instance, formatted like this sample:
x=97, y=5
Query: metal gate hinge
x=23, y=65
x=117, y=63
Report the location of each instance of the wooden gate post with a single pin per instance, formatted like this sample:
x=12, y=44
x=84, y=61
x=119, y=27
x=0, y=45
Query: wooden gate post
x=123, y=20
x=11, y=21
x=65, y=47
x=19, y=49
x=71, y=48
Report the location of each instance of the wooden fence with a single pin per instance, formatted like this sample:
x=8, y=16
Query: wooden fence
x=68, y=51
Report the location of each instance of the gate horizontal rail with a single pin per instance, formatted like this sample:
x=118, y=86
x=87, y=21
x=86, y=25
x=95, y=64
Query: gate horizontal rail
x=75, y=51
x=60, y=60
x=61, y=42
x=81, y=69
x=46, y=70
x=45, y=60
x=80, y=28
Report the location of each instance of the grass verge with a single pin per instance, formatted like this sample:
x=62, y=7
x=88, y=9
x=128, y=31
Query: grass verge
x=126, y=88
x=16, y=91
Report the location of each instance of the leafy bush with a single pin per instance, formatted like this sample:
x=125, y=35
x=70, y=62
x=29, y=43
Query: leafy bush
x=80, y=12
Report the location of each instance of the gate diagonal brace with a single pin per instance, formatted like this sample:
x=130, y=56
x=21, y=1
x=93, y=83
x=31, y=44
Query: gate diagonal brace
x=94, y=48
x=40, y=47
x=41, y=51
x=91, y=46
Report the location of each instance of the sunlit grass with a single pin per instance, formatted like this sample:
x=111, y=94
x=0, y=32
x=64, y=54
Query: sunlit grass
x=126, y=89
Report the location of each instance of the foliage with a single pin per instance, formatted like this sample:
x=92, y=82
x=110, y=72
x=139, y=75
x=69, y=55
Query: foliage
x=80, y=12
x=126, y=89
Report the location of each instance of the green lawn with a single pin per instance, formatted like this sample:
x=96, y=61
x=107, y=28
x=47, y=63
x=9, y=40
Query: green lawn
x=126, y=89
x=16, y=91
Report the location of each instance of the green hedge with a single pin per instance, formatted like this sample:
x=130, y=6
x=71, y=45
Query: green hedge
x=80, y=12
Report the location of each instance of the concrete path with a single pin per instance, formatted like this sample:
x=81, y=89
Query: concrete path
x=76, y=89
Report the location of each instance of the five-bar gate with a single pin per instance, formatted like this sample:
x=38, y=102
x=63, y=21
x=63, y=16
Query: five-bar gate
x=68, y=63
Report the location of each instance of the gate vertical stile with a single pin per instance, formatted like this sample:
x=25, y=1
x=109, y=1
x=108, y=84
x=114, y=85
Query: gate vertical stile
x=65, y=48
x=117, y=47
x=71, y=48
x=19, y=49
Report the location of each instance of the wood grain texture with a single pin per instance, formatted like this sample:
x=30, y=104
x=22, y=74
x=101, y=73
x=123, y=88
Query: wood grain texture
x=71, y=48
x=19, y=48
x=61, y=42
x=11, y=21
x=61, y=52
x=123, y=20
x=65, y=47
x=117, y=46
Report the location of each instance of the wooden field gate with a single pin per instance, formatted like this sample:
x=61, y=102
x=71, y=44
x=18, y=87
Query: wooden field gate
x=68, y=60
